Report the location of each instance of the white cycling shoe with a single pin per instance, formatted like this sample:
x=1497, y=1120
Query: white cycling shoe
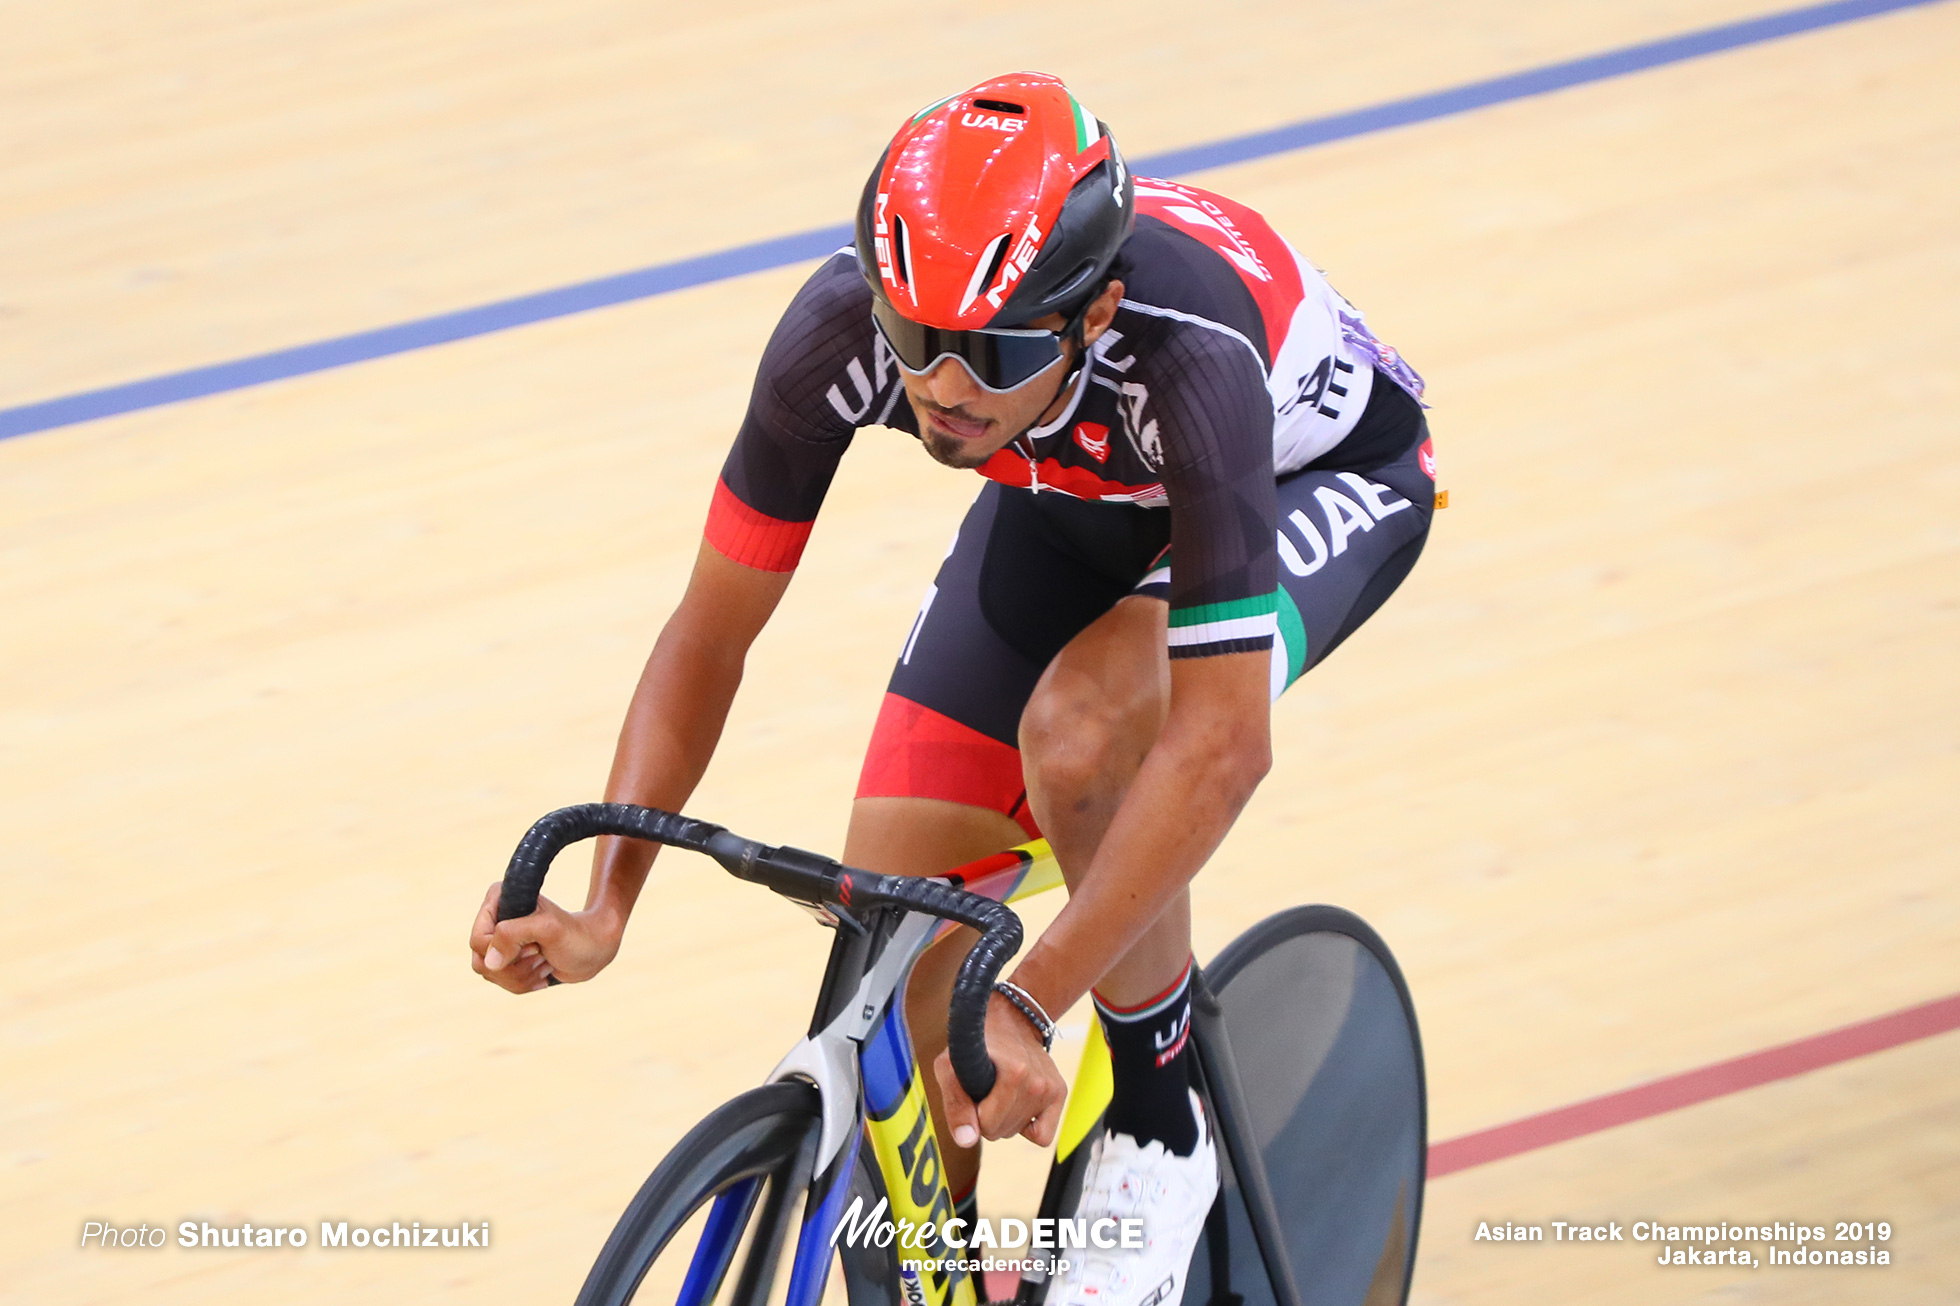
x=1170, y=1193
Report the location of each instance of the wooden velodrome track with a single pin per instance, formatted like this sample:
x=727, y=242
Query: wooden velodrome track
x=1642, y=769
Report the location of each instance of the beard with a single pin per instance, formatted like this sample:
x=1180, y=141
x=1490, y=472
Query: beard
x=972, y=454
x=949, y=452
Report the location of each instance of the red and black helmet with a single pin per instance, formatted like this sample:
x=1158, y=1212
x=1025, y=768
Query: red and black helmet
x=995, y=207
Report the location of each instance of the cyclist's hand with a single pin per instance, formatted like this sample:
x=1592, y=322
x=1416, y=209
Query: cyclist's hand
x=522, y=955
x=1028, y=1090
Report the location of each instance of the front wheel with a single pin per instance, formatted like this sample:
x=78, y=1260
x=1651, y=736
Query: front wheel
x=749, y=1163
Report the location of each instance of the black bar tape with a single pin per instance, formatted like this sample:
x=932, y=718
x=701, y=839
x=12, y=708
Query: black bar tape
x=802, y=875
x=555, y=831
x=973, y=988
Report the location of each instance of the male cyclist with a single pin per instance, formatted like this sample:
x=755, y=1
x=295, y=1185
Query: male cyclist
x=1203, y=472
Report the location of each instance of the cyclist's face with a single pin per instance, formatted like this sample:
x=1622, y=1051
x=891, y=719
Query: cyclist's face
x=963, y=425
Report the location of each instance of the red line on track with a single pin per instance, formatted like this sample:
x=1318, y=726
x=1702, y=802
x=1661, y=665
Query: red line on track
x=1693, y=1086
x=1786, y=1061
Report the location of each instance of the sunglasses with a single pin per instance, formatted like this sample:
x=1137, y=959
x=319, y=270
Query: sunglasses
x=998, y=359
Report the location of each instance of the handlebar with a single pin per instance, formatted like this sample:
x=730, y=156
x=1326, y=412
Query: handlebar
x=805, y=877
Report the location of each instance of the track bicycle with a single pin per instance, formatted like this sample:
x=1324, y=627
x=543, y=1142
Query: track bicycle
x=1308, y=1061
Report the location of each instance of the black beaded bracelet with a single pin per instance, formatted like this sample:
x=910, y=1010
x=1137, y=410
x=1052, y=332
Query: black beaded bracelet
x=1028, y=1007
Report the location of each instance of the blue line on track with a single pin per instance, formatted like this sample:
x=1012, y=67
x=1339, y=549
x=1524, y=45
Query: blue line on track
x=197, y=382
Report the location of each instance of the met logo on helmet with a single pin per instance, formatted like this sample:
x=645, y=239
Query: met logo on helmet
x=1017, y=262
x=882, y=238
x=993, y=120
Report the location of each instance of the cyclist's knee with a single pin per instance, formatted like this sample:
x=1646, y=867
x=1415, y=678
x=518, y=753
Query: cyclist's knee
x=1079, y=748
x=1097, y=708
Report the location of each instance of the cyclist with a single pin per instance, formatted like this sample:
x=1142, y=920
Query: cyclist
x=1203, y=473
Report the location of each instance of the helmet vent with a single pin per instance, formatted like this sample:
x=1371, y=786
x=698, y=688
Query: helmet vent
x=1000, y=106
x=993, y=264
x=984, y=269
x=904, y=248
x=1077, y=280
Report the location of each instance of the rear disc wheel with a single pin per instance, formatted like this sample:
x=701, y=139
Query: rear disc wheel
x=1324, y=1036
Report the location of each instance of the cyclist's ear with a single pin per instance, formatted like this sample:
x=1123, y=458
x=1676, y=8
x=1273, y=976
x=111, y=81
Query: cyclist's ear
x=1102, y=312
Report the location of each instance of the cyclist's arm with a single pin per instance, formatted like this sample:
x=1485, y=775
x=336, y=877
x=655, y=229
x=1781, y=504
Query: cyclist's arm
x=1211, y=753
x=772, y=484
x=1215, y=747
x=677, y=713
x=771, y=487
x=671, y=729
x=1209, y=395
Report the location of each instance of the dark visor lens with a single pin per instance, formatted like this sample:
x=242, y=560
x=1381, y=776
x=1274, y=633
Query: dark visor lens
x=1001, y=360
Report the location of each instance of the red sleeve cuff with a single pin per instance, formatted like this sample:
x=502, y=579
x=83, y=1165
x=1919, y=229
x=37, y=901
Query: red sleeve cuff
x=754, y=539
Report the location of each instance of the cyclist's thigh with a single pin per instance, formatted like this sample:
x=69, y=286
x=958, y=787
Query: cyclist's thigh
x=1346, y=540
x=925, y=836
x=1109, y=687
x=1025, y=575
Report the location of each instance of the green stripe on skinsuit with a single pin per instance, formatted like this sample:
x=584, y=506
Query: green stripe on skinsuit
x=1257, y=606
x=1294, y=632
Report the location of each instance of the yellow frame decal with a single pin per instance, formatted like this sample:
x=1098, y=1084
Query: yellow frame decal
x=915, y=1185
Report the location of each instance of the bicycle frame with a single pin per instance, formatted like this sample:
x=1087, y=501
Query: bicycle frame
x=859, y=1055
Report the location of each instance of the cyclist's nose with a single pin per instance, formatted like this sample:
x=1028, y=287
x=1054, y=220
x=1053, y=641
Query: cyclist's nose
x=950, y=385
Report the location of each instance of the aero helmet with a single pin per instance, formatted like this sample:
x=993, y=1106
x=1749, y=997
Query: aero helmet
x=994, y=207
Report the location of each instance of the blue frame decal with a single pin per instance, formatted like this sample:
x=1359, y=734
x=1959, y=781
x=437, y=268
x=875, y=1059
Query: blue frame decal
x=811, y=1269
x=726, y=1221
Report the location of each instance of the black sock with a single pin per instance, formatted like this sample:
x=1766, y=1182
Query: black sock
x=1150, y=1068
